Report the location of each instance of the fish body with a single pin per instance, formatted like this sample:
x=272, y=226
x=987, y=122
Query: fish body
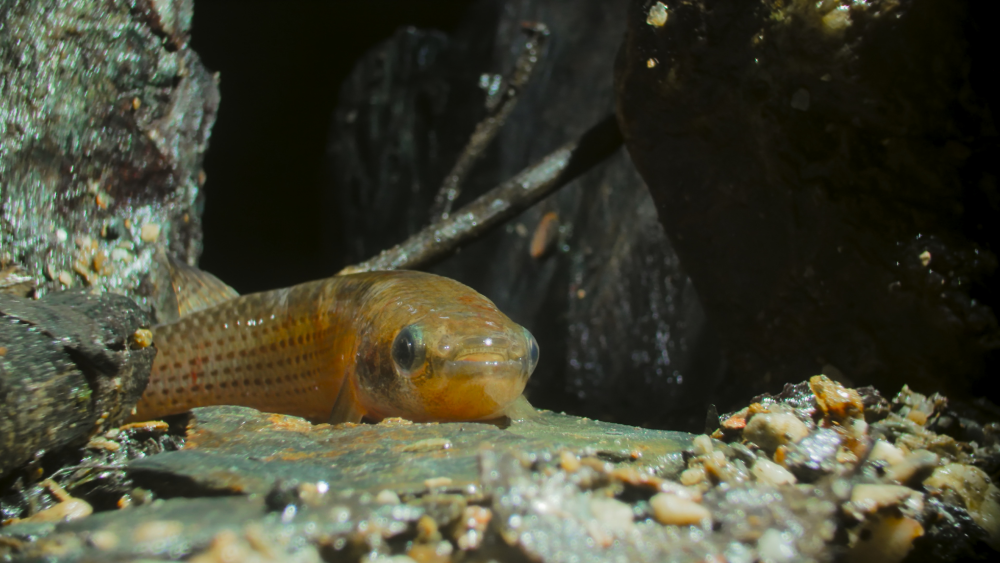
x=375, y=345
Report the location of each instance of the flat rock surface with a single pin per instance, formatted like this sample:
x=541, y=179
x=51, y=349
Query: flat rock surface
x=240, y=450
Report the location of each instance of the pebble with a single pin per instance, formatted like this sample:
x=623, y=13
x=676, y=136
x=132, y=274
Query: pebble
x=770, y=430
x=613, y=513
x=776, y=546
x=868, y=499
x=834, y=399
x=920, y=461
x=121, y=255
x=568, y=461
x=673, y=510
x=70, y=509
x=157, y=530
x=657, y=16
x=142, y=337
x=885, y=540
x=150, y=232
x=693, y=476
x=385, y=496
x=981, y=498
x=884, y=451
x=766, y=471
x=98, y=443
x=435, y=482
x=104, y=540
x=702, y=444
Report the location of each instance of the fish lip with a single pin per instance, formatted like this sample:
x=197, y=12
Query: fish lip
x=497, y=355
x=478, y=368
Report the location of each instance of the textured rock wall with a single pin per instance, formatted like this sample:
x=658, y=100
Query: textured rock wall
x=104, y=118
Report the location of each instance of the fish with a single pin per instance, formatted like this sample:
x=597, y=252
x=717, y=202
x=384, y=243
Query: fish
x=366, y=346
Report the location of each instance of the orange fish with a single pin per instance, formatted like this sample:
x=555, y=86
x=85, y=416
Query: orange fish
x=373, y=345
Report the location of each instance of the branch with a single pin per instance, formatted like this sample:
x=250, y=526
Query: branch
x=498, y=109
x=510, y=198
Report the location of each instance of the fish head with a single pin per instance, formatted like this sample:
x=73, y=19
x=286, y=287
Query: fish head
x=440, y=351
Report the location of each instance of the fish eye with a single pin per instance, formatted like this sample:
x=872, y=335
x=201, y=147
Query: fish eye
x=532, y=351
x=408, y=348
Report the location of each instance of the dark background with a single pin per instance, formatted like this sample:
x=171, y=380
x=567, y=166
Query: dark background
x=281, y=66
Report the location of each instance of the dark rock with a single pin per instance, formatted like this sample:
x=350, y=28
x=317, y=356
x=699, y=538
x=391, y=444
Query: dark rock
x=622, y=334
x=814, y=456
x=826, y=173
x=69, y=369
x=951, y=535
x=105, y=117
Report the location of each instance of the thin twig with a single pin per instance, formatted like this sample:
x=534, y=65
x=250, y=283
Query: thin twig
x=502, y=202
x=498, y=110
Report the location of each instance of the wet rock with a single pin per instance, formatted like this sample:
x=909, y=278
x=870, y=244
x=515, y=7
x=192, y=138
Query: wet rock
x=240, y=450
x=105, y=117
x=619, y=324
x=552, y=488
x=825, y=172
x=674, y=510
x=70, y=368
x=980, y=497
x=770, y=430
x=887, y=539
x=180, y=528
x=814, y=456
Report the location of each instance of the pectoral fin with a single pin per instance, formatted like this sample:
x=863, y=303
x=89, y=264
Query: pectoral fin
x=520, y=409
x=346, y=408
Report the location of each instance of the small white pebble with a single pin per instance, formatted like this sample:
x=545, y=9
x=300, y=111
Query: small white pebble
x=868, y=499
x=104, y=540
x=914, y=463
x=702, y=445
x=770, y=430
x=672, y=510
x=61, y=235
x=157, y=531
x=766, y=471
x=150, y=232
x=121, y=255
x=385, y=496
x=657, y=16
x=674, y=488
x=692, y=476
x=435, y=482
x=613, y=513
x=71, y=509
x=776, y=546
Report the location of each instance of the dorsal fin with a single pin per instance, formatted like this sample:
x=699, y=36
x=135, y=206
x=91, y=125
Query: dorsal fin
x=196, y=289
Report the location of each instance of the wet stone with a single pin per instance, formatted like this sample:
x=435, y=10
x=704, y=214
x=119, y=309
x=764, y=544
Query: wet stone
x=69, y=370
x=240, y=450
x=814, y=456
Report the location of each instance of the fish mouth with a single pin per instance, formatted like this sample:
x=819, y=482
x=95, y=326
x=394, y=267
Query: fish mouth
x=481, y=356
x=483, y=365
x=491, y=348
